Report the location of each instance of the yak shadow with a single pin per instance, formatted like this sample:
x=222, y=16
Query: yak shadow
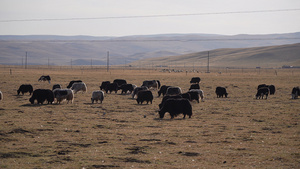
x=126, y=94
x=35, y=105
x=144, y=104
x=95, y=103
x=22, y=95
x=169, y=119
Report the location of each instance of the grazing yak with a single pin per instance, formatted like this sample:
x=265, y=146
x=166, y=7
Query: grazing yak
x=1, y=96
x=200, y=93
x=195, y=80
x=63, y=94
x=261, y=92
x=221, y=91
x=163, y=90
x=111, y=87
x=126, y=87
x=144, y=95
x=42, y=95
x=97, y=95
x=71, y=83
x=186, y=96
x=119, y=82
x=45, y=78
x=194, y=95
x=79, y=86
x=261, y=85
x=271, y=88
x=165, y=98
x=24, y=88
x=104, y=85
x=295, y=92
x=195, y=86
x=137, y=89
x=155, y=84
x=56, y=86
x=176, y=107
x=173, y=91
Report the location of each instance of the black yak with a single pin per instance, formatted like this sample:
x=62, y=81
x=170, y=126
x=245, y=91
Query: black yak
x=42, y=95
x=261, y=92
x=104, y=85
x=24, y=88
x=176, y=107
x=271, y=88
x=144, y=95
x=163, y=90
x=165, y=98
x=195, y=86
x=137, y=89
x=221, y=91
x=295, y=92
x=195, y=80
x=173, y=91
x=111, y=87
x=119, y=82
x=126, y=87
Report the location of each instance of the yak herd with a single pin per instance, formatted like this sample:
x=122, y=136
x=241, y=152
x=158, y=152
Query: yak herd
x=174, y=101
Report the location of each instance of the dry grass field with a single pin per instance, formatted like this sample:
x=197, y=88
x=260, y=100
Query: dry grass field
x=234, y=132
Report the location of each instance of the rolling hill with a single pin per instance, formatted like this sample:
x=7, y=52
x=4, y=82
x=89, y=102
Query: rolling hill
x=86, y=50
x=267, y=57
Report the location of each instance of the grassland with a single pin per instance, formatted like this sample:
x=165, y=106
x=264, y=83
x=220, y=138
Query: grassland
x=234, y=132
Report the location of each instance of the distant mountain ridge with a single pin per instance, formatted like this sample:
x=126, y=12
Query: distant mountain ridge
x=82, y=50
x=52, y=37
x=159, y=36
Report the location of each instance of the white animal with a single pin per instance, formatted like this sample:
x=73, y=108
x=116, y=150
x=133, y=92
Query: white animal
x=151, y=84
x=97, y=95
x=1, y=96
x=200, y=92
x=79, y=86
x=63, y=94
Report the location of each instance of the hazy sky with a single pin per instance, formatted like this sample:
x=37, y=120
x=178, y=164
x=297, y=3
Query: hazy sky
x=215, y=17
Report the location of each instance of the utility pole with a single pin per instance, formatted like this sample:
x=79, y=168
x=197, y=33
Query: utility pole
x=124, y=63
x=26, y=61
x=107, y=61
x=207, y=62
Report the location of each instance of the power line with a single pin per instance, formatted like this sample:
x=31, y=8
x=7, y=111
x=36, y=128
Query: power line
x=149, y=16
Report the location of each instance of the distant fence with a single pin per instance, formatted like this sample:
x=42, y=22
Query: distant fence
x=152, y=68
